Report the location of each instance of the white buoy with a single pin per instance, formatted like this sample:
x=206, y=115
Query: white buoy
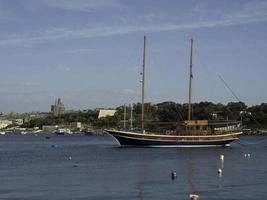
x=247, y=155
x=174, y=175
x=70, y=157
x=219, y=171
x=193, y=197
x=222, y=157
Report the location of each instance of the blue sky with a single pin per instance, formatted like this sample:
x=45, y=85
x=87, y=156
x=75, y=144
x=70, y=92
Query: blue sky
x=89, y=52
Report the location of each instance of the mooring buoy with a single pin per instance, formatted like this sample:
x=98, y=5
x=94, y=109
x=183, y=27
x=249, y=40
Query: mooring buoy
x=193, y=197
x=247, y=155
x=219, y=171
x=174, y=175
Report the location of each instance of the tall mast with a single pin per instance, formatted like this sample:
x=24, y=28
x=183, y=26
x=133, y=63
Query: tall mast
x=143, y=84
x=190, y=82
x=124, y=117
x=131, y=120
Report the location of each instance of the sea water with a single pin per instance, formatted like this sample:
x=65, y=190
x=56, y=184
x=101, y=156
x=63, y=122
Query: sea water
x=95, y=167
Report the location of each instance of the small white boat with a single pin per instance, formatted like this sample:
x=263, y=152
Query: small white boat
x=37, y=131
x=63, y=131
x=88, y=132
x=2, y=133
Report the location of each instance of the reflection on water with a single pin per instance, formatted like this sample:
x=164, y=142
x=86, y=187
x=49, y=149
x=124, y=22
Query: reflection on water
x=140, y=191
x=189, y=176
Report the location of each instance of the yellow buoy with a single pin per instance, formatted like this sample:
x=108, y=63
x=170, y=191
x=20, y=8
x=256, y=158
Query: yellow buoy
x=222, y=157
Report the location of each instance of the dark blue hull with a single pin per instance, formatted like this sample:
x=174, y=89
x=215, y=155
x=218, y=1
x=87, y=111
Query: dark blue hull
x=137, y=142
x=125, y=140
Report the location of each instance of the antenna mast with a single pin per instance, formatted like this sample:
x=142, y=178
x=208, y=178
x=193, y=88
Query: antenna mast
x=190, y=81
x=143, y=84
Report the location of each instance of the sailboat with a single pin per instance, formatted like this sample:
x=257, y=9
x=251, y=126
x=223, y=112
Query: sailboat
x=188, y=133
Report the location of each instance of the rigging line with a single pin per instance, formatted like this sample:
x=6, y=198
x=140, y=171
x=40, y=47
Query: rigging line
x=229, y=88
x=232, y=92
x=237, y=99
x=204, y=65
x=256, y=121
x=224, y=82
x=180, y=113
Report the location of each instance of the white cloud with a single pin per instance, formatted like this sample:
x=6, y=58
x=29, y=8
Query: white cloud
x=80, y=51
x=255, y=11
x=80, y=5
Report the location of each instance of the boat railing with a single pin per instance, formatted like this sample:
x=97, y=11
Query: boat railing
x=223, y=122
x=221, y=132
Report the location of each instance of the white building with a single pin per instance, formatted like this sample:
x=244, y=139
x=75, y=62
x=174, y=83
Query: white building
x=4, y=123
x=106, y=112
x=49, y=129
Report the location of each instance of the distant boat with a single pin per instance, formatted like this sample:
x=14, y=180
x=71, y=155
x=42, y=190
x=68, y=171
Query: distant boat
x=63, y=131
x=189, y=133
x=2, y=133
x=37, y=131
x=88, y=132
x=18, y=130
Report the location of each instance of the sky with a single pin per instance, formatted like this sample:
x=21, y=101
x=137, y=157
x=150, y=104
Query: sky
x=89, y=52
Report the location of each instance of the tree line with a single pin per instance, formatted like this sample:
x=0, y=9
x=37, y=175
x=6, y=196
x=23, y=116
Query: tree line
x=162, y=115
